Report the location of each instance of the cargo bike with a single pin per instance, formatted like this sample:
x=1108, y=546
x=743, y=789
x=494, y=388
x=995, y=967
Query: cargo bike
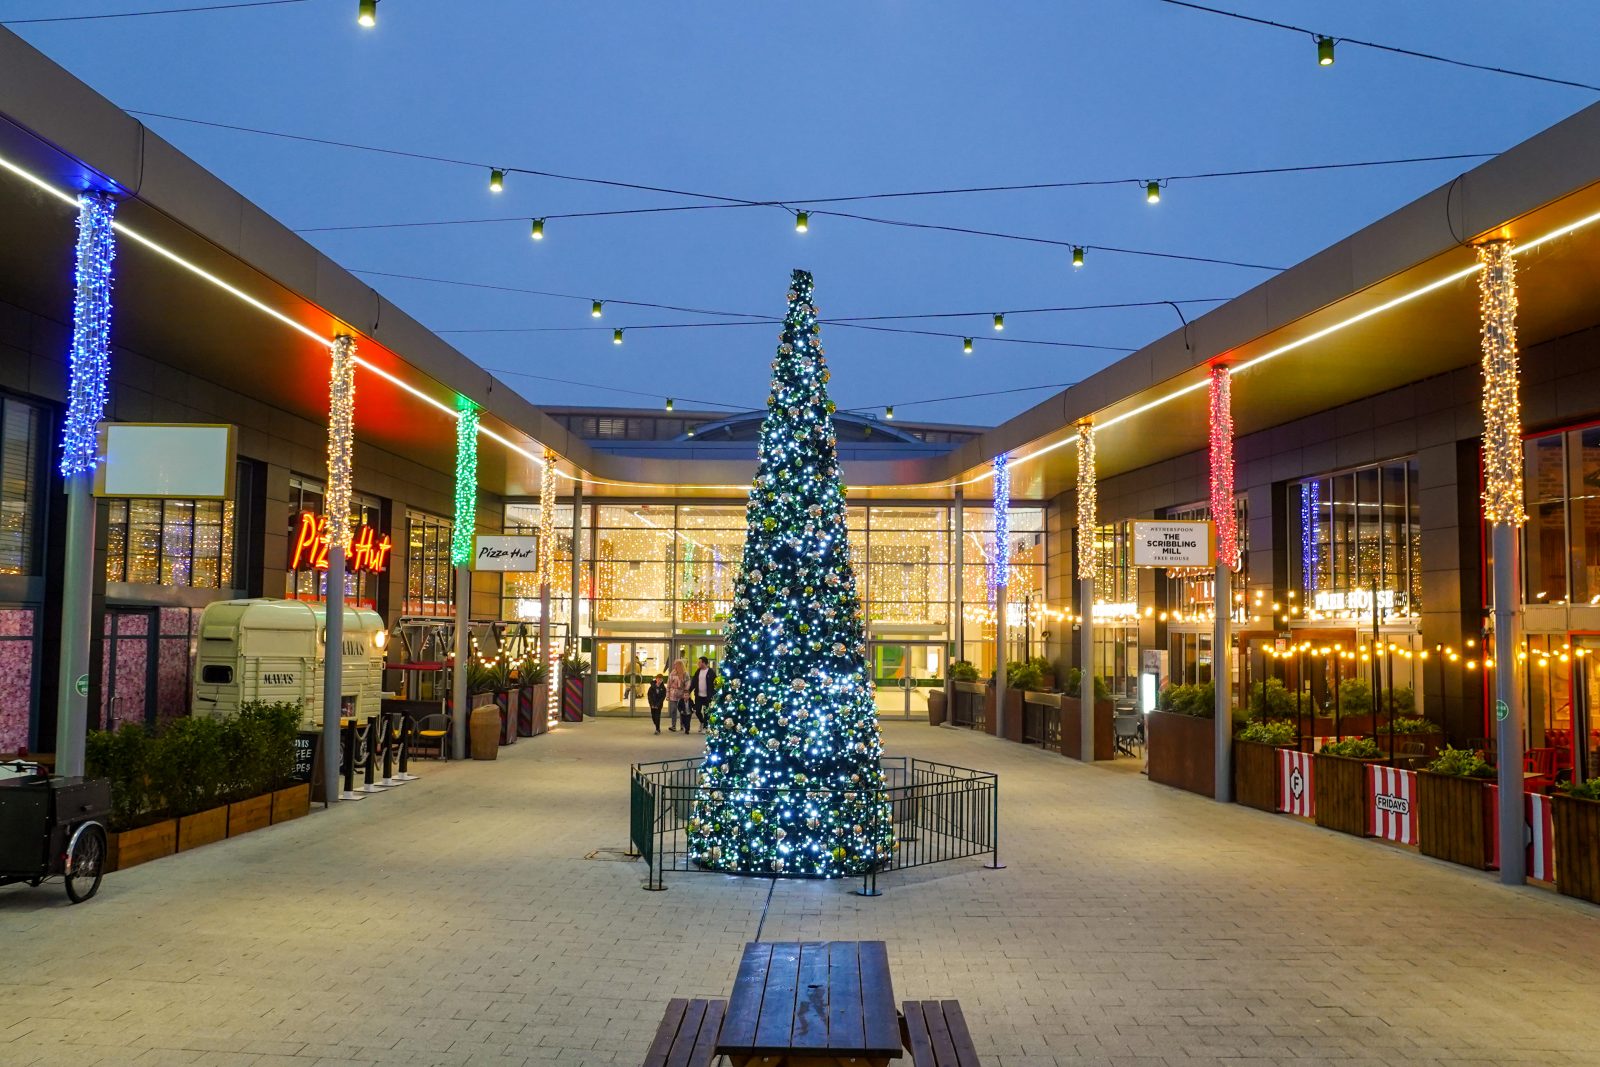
x=52, y=826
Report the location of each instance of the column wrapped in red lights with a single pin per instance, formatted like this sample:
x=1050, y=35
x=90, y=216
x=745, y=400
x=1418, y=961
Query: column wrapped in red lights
x=1223, y=513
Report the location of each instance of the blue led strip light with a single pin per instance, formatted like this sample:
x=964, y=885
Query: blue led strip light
x=466, y=485
x=1310, y=561
x=91, y=334
x=1000, y=558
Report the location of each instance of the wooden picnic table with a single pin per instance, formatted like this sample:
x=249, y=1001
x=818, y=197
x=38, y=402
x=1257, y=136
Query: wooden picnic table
x=806, y=1004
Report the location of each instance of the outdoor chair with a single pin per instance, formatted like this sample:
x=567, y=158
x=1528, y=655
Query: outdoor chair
x=1127, y=731
x=1542, y=762
x=433, y=733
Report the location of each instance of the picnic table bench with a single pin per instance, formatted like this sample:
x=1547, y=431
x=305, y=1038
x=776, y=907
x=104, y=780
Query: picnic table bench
x=800, y=1004
x=936, y=1033
x=687, y=1034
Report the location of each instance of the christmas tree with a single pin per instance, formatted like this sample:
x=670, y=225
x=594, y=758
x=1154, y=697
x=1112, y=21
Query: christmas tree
x=791, y=781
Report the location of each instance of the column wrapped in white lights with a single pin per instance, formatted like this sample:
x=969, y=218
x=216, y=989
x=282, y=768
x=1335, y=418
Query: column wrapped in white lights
x=1225, y=519
x=336, y=505
x=462, y=531
x=1503, y=511
x=1088, y=563
x=547, y=571
x=999, y=579
x=87, y=391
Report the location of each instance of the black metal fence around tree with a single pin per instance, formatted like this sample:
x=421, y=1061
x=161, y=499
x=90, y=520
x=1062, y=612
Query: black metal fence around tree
x=939, y=811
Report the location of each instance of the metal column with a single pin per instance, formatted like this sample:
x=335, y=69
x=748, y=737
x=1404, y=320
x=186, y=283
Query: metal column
x=1086, y=678
x=1001, y=691
x=333, y=670
x=77, y=605
x=1510, y=713
x=1221, y=682
x=458, y=677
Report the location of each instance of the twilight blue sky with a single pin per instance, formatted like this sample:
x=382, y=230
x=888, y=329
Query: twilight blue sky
x=768, y=101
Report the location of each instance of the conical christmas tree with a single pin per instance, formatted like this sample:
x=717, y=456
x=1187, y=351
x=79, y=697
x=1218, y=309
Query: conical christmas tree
x=791, y=781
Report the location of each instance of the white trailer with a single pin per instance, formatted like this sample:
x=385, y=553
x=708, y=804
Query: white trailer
x=271, y=650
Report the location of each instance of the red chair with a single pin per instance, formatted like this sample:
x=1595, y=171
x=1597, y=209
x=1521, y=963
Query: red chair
x=1540, y=762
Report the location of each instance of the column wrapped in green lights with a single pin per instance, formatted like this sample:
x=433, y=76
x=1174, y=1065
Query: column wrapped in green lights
x=336, y=506
x=461, y=538
x=1088, y=563
x=1503, y=511
x=792, y=783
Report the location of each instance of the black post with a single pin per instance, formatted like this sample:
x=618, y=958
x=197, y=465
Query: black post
x=1299, y=679
x=1338, y=720
x=369, y=765
x=349, y=757
x=406, y=726
x=1389, y=666
x=390, y=736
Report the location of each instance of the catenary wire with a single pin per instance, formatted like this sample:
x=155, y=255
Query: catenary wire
x=140, y=14
x=1394, y=49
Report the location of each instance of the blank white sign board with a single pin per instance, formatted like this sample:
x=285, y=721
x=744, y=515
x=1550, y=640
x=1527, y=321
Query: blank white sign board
x=188, y=461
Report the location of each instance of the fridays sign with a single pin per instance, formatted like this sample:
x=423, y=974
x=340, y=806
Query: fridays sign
x=505, y=554
x=1163, y=543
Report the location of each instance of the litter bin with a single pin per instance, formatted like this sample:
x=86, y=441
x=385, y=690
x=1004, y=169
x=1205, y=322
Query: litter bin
x=483, y=731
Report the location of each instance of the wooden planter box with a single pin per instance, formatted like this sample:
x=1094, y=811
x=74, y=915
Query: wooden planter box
x=202, y=828
x=1105, y=745
x=1256, y=774
x=1452, y=819
x=1339, y=784
x=291, y=803
x=936, y=706
x=1011, y=726
x=248, y=815
x=1182, y=751
x=129, y=848
x=1577, y=826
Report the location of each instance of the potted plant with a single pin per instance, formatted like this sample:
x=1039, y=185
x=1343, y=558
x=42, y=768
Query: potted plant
x=1407, y=728
x=1047, y=672
x=1256, y=766
x=967, y=694
x=1020, y=677
x=483, y=716
x=1071, y=736
x=140, y=829
x=1453, y=809
x=532, y=696
x=505, y=684
x=1575, y=813
x=1340, y=784
x=1182, y=739
x=574, y=671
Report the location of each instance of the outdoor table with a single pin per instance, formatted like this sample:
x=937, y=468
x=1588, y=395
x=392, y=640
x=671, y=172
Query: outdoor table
x=818, y=1002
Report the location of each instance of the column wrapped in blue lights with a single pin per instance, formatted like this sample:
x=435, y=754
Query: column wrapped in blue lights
x=461, y=537
x=87, y=392
x=336, y=506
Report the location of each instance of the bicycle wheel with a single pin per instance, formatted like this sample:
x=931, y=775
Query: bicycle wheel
x=86, y=862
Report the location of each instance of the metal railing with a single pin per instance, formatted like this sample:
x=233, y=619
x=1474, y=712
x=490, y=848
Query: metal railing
x=938, y=812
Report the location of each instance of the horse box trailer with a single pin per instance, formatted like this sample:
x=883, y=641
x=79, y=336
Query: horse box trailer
x=271, y=650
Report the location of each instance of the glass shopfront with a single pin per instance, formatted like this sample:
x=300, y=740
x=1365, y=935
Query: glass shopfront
x=1356, y=536
x=430, y=577
x=23, y=448
x=1024, y=589
x=371, y=554
x=1189, y=599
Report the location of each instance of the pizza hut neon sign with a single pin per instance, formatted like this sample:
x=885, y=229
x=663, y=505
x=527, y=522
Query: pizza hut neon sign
x=366, y=550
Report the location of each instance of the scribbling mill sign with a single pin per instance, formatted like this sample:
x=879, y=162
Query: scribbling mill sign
x=1174, y=544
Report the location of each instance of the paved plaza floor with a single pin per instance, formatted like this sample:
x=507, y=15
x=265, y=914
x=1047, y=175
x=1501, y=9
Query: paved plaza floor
x=456, y=921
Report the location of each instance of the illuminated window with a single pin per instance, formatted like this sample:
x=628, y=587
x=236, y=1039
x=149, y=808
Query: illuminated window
x=303, y=579
x=186, y=544
x=22, y=447
x=430, y=578
x=1352, y=532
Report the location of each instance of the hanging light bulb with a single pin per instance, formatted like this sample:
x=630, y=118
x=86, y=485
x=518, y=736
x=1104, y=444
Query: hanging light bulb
x=691, y=431
x=999, y=321
x=966, y=345
x=669, y=400
x=1152, y=192
x=1325, y=51
x=497, y=181
x=595, y=309
x=1077, y=257
x=802, y=221
x=888, y=412
x=367, y=13
x=616, y=339
x=538, y=229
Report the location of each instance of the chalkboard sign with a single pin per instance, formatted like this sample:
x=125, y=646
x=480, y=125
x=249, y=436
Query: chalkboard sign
x=305, y=753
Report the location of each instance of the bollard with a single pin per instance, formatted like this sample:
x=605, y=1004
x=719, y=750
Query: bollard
x=349, y=792
x=370, y=764
x=391, y=735
x=408, y=727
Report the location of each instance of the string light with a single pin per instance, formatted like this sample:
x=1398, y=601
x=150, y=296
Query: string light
x=802, y=221
x=594, y=308
x=616, y=336
x=538, y=229
x=466, y=524
x=1000, y=557
x=91, y=334
x=1077, y=257
x=888, y=412
x=1152, y=192
x=341, y=437
x=1088, y=502
x=966, y=345
x=1222, y=506
x=1325, y=51
x=1502, y=413
x=367, y=13
x=669, y=403
x=497, y=181
x=999, y=321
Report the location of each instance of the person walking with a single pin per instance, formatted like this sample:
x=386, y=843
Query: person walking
x=705, y=687
x=678, y=694
x=657, y=695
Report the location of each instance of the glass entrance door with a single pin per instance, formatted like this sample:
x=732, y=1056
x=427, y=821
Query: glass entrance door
x=903, y=673
x=623, y=669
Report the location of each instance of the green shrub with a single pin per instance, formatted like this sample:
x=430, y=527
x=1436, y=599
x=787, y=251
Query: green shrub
x=1268, y=732
x=272, y=728
x=1412, y=726
x=1074, y=683
x=1355, y=697
x=480, y=677
x=962, y=671
x=574, y=666
x=1462, y=763
x=1270, y=699
x=1589, y=790
x=1023, y=676
x=1353, y=748
x=187, y=770
x=123, y=758
x=1197, y=700
x=532, y=672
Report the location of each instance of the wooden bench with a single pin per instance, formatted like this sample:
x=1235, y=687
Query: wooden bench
x=687, y=1036
x=936, y=1033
